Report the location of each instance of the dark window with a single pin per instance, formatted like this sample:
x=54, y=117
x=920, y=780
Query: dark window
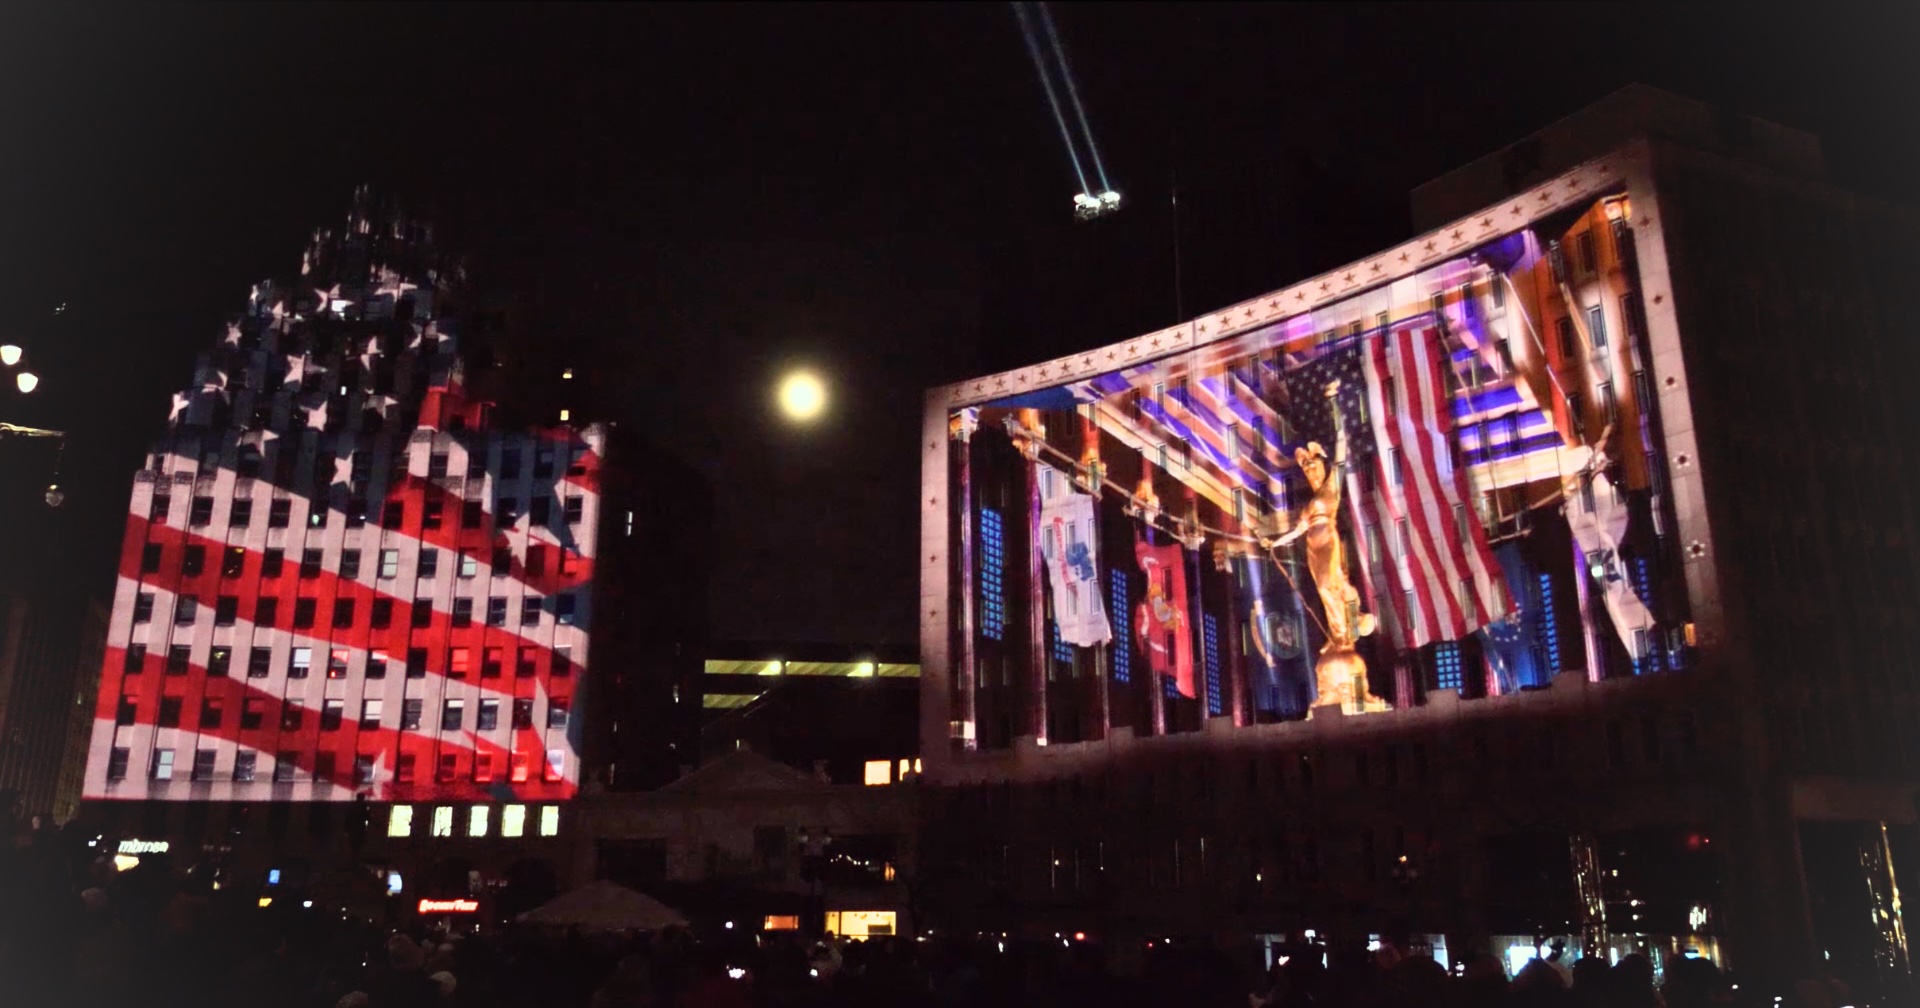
x=243, y=764
x=169, y=712
x=143, y=607
x=240, y=514
x=259, y=663
x=233, y=562
x=179, y=656
x=290, y=718
x=279, y=513
x=393, y=515
x=526, y=666
x=150, y=558
x=126, y=714
x=382, y=616
x=201, y=513
x=158, y=512
x=490, y=659
x=523, y=713
x=557, y=712
x=185, y=609
x=350, y=564
x=430, y=515
x=422, y=613
x=203, y=764
x=449, y=768
x=536, y=560
x=504, y=512
x=271, y=561
x=574, y=508
x=1589, y=255
x=530, y=610
x=210, y=711
x=377, y=665
x=337, y=663
x=563, y=609
x=510, y=464
x=135, y=660
x=471, y=515
x=429, y=563
x=193, y=560
x=410, y=716
x=363, y=769
x=489, y=715
x=403, y=769
x=303, y=612
x=563, y=660
x=356, y=512
x=416, y=663
x=496, y=611
x=332, y=712
x=542, y=510
x=502, y=561
x=226, y=609
x=543, y=464
x=342, y=613
x=117, y=764
x=452, y=715
x=220, y=661
x=316, y=517
x=1569, y=340
x=285, y=764
x=437, y=465
x=250, y=457
x=1597, y=327
x=323, y=764
x=476, y=463
x=310, y=563
x=462, y=612
x=266, y=612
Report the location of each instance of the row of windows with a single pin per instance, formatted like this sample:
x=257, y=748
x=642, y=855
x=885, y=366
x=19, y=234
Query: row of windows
x=286, y=766
x=233, y=562
x=253, y=713
x=266, y=611
x=393, y=514
x=513, y=820
x=459, y=662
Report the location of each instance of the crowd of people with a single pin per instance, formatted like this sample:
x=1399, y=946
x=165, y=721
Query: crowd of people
x=76, y=932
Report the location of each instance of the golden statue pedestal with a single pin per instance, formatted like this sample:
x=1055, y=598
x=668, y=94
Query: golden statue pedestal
x=1340, y=677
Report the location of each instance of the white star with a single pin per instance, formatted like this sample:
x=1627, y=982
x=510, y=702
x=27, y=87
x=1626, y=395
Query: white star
x=373, y=351
x=296, y=368
x=180, y=402
x=233, y=334
x=317, y=416
x=343, y=470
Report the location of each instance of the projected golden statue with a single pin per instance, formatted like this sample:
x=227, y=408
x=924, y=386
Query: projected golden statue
x=1340, y=674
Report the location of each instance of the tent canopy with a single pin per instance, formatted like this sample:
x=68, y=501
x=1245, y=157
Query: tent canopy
x=606, y=906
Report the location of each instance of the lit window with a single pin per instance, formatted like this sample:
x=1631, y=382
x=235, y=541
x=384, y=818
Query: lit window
x=906, y=766
x=993, y=559
x=442, y=820
x=916, y=764
x=513, y=821
x=549, y=820
x=400, y=821
x=879, y=772
x=565, y=415
x=477, y=821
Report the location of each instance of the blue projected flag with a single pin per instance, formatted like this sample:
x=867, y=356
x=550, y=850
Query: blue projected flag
x=1279, y=663
x=1509, y=642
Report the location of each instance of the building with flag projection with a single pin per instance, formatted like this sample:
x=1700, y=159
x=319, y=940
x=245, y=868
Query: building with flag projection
x=1536, y=577
x=346, y=583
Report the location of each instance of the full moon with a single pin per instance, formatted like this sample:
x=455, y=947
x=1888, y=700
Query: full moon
x=802, y=397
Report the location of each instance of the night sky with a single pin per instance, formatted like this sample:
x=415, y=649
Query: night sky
x=709, y=193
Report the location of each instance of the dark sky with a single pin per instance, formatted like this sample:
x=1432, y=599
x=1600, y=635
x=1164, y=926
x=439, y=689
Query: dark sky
x=710, y=192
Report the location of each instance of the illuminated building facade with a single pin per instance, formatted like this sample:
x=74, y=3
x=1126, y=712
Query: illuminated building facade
x=362, y=567
x=1469, y=590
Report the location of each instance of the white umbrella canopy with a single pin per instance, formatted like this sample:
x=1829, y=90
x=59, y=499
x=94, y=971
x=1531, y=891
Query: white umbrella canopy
x=605, y=906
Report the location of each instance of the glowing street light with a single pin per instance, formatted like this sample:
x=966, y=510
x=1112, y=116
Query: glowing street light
x=27, y=381
x=9, y=355
x=802, y=396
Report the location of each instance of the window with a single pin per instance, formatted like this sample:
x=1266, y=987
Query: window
x=1588, y=256
x=490, y=659
x=574, y=507
x=543, y=463
x=186, y=609
x=1569, y=340
x=322, y=770
x=158, y=512
x=472, y=515
x=517, y=772
x=219, y=661
x=279, y=513
x=271, y=561
x=403, y=770
x=290, y=718
x=203, y=764
x=143, y=607
x=502, y=561
x=448, y=768
x=393, y=515
x=557, y=712
x=513, y=821
x=469, y=566
x=163, y=764
x=429, y=563
x=542, y=512
x=300, y=662
x=422, y=615
x=510, y=464
x=462, y=612
x=563, y=659
x=266, y=612
x=310, y=563
x=477, y=821
x=1608, y=406
x=211, y=711
x=342, y=613
x=489, y=715
x=437, y=465
x=377, y=665
x=550, y=820
x=496, y=611
x=356, y=510
x=126, y=713
x=259, y=663
x=457, y=659
x=285, y=764
x=453, y=714
x=556, y=764
x=233, y=562
x=193, y=560
x=150, y=558
x=410, y=713
x=530, y=611
x=117, y=764
x=389, y=563
x=400, y=821
x=524, y=665
x=303, y=612
x=1597, y=327
x=1400, y=538
x=135, y=659
x=201, y=512
x=337, y=663
x=382, y=614
x=523, y=713
x=350, y=564
x=179, y=656
x=243, y=764
x=563, y=609
x=170, y=712
x=483, y=768
x=442, y=820
x=430, y=514
x=370, y=711
x=416, y=663
x=1577, y=415
x=569, y=561
x=363, y=769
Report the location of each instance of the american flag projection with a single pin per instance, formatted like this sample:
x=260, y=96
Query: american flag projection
x=336, y=578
